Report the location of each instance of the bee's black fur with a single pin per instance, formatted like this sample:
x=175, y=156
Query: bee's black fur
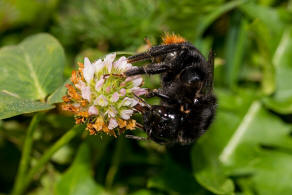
x=188, y=104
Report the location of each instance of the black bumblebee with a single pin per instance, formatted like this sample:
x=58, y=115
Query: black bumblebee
x=188, y=104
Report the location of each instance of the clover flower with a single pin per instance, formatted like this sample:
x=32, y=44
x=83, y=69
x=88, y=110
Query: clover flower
x=102, y=97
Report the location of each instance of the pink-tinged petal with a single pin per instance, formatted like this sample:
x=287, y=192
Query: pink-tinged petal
x=123, y=84
x=98, y=65
x=126, y=114
x=108, y=61
x=136, y=80
x=123, y=92
x=86, y=93
x=99, y=84
x=108, y=89
x=101, y=100
x=139, y=91
x=111, y=112
x=132, y=78
x=92, y=110
x=88, y=71
x=112, y=123
x=115, y=97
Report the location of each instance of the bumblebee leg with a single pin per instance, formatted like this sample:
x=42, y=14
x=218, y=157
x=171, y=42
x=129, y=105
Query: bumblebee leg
x=154, y=68
x=136, y=137
x=157, y=93
x=160, y=94
x=161, y=50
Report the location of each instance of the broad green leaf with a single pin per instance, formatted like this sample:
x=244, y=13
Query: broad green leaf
x=270, y=175
x=33, y=69
x=257, y=128
x=261, y=148
x=30, y=71
x=78, y=178
x=281, y=101
x=11, y=106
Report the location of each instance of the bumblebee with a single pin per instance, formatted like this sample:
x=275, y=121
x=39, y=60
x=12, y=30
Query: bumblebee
x=188, y=104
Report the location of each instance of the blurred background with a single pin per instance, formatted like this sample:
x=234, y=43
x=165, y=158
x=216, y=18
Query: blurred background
x=247, y=150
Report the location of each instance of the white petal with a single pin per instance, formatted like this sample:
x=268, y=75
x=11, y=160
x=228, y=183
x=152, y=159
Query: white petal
x=129, y=102
x=86, y=93
x=126, y=114
x=98, y=65
x=122, y=64
x=92, y=110
x=88, y=71
x=108, y=61
x=137, y=82
x=112, y=124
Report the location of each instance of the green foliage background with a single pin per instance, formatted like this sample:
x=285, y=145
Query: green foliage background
x=247, y=150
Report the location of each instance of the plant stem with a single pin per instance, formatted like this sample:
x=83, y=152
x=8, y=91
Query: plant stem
x=24, y=161
x=115, y=163
x=66, y=138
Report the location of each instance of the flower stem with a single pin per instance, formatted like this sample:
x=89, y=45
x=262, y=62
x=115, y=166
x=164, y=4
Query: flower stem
x=24, y=161
x=115, y=163
x=66, y=138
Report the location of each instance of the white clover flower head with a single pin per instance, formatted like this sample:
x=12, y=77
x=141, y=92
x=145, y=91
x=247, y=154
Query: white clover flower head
x=102, y=96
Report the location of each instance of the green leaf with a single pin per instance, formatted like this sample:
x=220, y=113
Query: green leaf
x=56, y=96
x=273, y=22
x=281, y=101
x=271, y=174
x=33, y=69
x=235, y=50
x=78, y=178
x=11, y=106
x=30, y=71
x=209, y=19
